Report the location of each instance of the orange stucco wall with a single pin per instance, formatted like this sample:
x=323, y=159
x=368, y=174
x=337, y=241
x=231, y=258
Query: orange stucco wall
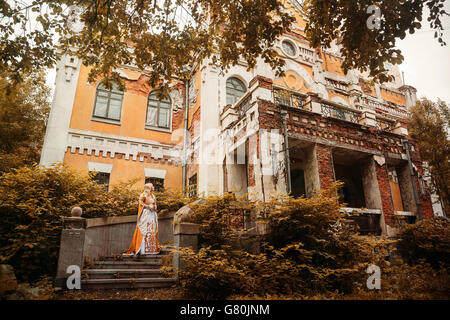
x=393, y=97
x=134, y=110
x=124, y=170
x=332, y=64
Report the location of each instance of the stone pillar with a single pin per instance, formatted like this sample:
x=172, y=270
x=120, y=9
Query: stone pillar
x=185, y=233
x=401, y=127
x=424, y=195
x=71, y=247
x=410, y=95
x=185, y=236
x=55, y=142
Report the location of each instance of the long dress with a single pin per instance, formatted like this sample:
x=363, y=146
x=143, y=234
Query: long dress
x=145, y=237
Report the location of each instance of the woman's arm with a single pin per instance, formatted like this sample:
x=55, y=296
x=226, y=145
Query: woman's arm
x=141, y=200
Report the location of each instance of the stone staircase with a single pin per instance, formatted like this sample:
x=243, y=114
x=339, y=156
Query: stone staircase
x=126, y=272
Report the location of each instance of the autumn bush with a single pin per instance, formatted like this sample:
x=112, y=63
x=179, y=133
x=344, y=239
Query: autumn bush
x=427, y=240
x=33, y=201
x=311, y=249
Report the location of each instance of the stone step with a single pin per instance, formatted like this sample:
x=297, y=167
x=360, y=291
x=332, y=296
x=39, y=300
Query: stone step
x=120, y=273
x=147, y=264
x=120, y=257
x=132, y=258
x=128, y=283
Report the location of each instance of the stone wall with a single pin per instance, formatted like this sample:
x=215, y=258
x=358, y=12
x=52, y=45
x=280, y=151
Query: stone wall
x=112, y=235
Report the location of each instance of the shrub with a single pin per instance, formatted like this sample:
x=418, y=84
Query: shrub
x=310, y=250
x=427, y=240
x=213, y=214
x=33, y=201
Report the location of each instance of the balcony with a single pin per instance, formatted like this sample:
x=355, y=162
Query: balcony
x=288, y=98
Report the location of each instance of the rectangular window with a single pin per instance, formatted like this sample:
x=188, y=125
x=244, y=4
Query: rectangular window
x=192, y=188
x=158, y=183
x=108, y=104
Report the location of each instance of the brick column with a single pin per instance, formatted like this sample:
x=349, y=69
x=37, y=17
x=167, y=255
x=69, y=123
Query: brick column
x=325, y=166
x=385, y=192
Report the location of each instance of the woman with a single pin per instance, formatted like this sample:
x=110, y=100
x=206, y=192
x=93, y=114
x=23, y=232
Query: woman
x=145, y=238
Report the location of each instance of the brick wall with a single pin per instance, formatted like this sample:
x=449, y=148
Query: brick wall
x=385, y=192
x=325, y=164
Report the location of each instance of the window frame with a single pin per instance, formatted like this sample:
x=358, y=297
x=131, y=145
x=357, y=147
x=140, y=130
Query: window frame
x=293, y=45
x=101, y=88
x=158, y=110
x=227, y=92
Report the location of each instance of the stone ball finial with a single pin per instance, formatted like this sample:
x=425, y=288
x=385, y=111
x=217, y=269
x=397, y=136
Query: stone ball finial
x=76, y=212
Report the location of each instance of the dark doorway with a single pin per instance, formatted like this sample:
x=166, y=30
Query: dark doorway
x=298, y=183
x=352, y=192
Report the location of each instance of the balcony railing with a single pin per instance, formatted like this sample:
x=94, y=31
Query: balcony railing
x=288, y=98
x=340, y=113
x=399, y=111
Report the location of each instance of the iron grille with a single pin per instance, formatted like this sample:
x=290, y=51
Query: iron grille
x=339, y=113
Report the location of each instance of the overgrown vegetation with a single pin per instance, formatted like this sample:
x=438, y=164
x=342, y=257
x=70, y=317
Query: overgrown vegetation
x=311, y=252
x=429, y=124
x=33, y=201
x=427, y=240
x=24, y=108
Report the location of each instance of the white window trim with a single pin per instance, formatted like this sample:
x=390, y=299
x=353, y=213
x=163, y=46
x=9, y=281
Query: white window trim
x=155, y=173
x=100, y=167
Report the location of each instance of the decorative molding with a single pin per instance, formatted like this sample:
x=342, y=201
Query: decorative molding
x=95, y=143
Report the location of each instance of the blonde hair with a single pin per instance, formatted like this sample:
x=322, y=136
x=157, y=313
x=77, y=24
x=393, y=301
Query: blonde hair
x=149, y=187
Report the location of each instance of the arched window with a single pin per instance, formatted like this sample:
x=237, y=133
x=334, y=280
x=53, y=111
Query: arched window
x=158, y=111
x=108, y=103
x=235, y=90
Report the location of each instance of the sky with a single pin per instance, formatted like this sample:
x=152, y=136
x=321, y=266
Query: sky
x=426, y=66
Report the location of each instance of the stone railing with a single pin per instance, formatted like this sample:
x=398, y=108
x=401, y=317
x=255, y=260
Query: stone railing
x=84, y=240
x=399, y=111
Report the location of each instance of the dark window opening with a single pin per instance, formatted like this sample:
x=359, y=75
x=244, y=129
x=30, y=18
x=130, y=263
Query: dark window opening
x=369, y=224
x=102, y=178
x=352, y=193
x=192, y=187
x=158, y=183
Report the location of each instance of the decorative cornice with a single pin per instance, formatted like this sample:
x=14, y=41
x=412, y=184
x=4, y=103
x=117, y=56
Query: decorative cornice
x=94, y=142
